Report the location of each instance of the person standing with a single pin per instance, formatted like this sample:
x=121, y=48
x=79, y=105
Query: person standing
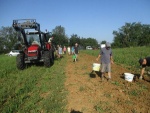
x=64, y=49
x=68, y=50
x=57, y=51
x=144, y=62
x=76, y=51
x=106, y=60
x=60, y=51
x=72, y=50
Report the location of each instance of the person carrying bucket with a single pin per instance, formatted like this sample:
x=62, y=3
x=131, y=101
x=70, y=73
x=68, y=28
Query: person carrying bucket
x=106, y=59
x=144, y=62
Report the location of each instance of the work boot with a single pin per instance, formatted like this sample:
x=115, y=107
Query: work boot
x=108, y=79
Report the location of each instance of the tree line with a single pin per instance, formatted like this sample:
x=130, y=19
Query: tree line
x=60, y=38
x=129, y=35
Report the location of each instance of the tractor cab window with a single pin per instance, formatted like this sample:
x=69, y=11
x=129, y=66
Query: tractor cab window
x=33, y=39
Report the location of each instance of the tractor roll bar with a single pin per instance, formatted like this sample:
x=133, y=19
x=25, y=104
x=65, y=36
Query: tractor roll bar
x=26, y=24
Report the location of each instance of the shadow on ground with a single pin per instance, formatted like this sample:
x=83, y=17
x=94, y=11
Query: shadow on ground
x=73, y=111
x=94, y=73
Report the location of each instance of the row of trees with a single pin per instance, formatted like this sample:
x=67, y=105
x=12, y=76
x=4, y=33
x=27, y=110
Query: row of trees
x=131, y=34
x=60, y=38
x=8, y=39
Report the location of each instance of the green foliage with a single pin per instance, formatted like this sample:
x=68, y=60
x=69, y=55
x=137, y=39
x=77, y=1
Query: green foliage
x=60, y=40
x=59, y=35
x=90, y=42
x=135, y=92
x=83, y=41
x=101, y=107
x=59, y=30
x=132, y=34
x=126, y=56
x=92, y=52
x=8, y=38
x=35, y=89
x=74, y=39
x=115, y=83
x=130, y=56
x=103, y=42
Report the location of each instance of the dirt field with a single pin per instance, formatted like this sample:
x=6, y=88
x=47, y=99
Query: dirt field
x=87, y=94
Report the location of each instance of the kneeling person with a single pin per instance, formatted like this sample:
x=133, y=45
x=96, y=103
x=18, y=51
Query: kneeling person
x=144, y=62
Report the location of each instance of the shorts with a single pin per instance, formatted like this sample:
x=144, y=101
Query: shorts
x=105, y=67
x=76, y=55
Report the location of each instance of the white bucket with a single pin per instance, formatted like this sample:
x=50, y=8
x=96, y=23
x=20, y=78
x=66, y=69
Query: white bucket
x=96, y=67
x=128, y=76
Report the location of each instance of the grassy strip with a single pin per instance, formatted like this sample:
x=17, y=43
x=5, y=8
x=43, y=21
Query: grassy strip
x=127, y=57
x=36, y=89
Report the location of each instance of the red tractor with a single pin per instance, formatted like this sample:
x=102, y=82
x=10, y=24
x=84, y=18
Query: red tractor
x=36, y=47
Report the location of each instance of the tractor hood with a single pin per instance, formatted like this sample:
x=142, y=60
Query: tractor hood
x=33, y=50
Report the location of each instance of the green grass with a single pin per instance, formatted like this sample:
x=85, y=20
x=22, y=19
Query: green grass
x=35, y=89
x=102, y=107
x=127, y=57
x=130, y=56
x=115, y=83
x=135, y=92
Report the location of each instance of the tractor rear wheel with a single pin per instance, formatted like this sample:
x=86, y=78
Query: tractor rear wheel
x=20, y=61
x=47, y=62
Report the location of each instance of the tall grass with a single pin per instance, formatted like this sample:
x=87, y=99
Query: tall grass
x=36, y=89
x=130, y=56
x=126, y=56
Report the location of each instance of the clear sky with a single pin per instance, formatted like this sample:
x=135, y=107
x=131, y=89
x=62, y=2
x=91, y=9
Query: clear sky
x=86, y=18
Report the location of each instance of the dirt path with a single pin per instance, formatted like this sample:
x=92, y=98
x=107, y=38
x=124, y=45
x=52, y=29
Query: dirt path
x=87, y=94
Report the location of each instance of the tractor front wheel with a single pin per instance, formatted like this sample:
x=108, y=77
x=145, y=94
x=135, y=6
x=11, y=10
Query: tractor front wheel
x=20, y=61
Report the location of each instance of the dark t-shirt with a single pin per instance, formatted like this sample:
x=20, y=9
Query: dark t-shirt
x=148, y=62
x=105, y=55
x=76, y=50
